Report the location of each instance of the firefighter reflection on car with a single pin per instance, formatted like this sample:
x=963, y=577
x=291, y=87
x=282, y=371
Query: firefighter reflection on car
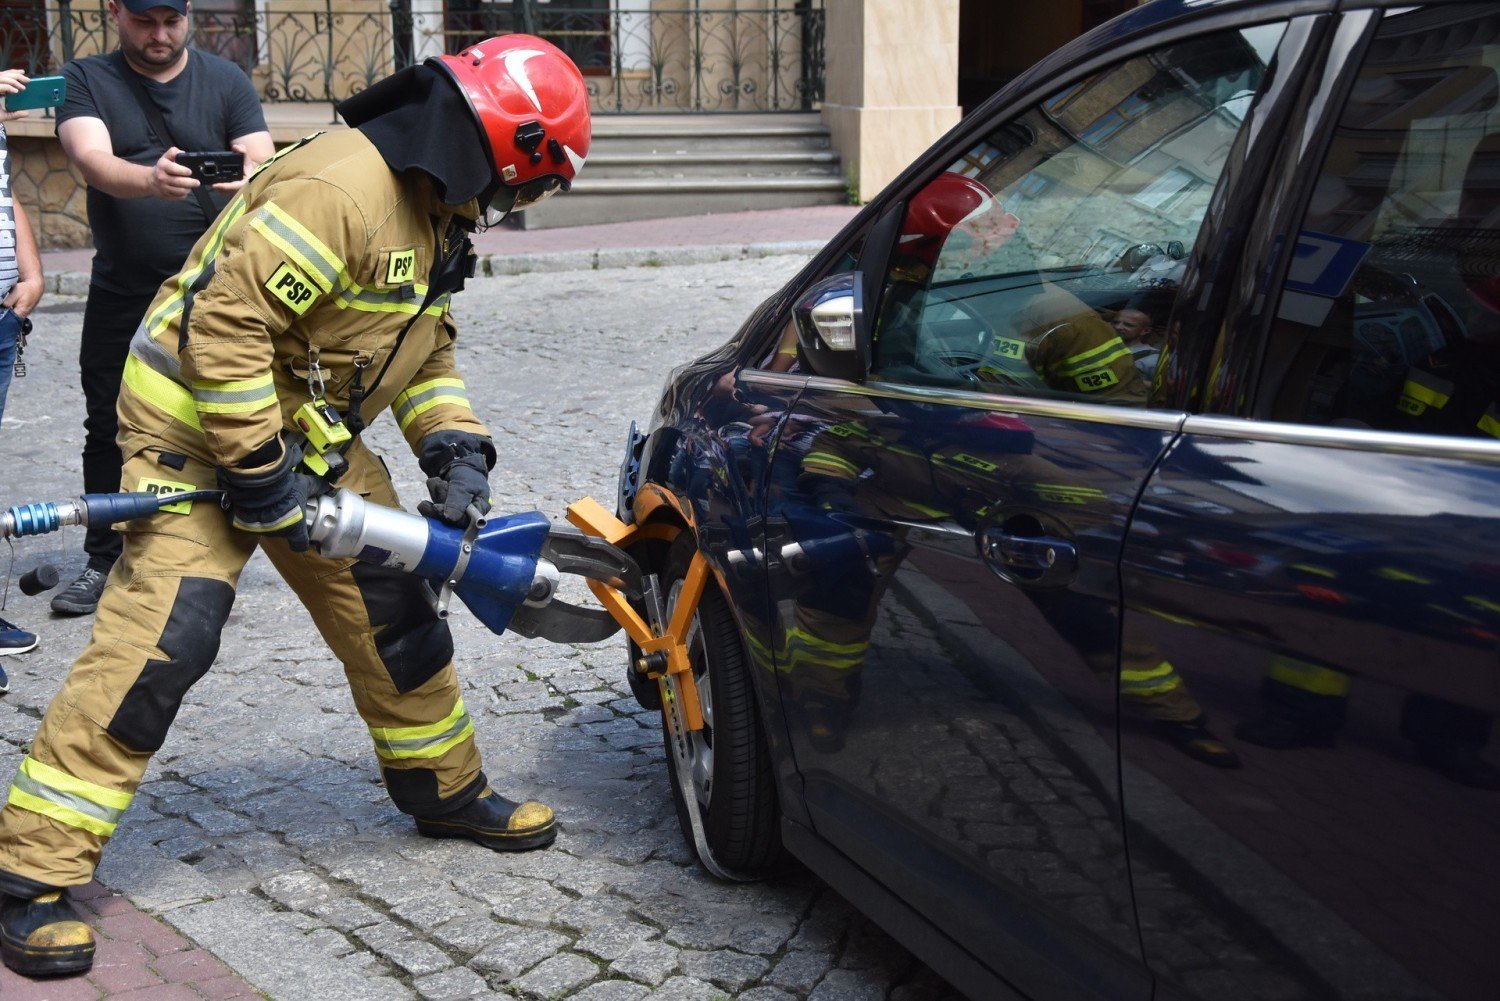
x=856, y=473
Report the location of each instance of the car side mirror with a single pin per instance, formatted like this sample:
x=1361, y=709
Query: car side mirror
x=831, y=328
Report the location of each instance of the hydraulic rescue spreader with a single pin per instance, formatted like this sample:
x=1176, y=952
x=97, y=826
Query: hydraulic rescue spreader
x=506, y=570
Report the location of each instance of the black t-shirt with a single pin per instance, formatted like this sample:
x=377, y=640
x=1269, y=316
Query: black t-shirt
x=141, y=242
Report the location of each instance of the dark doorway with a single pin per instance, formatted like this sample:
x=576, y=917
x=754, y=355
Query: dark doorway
x=998, y=39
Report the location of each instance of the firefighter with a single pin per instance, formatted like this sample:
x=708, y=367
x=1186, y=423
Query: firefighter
x=326, y=280
x=1048, y=340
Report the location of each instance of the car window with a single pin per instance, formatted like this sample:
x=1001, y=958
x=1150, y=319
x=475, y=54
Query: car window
x=1389, y=316
x=1045, y=260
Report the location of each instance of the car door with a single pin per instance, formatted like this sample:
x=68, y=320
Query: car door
x=944, y=536
x=1319, y=555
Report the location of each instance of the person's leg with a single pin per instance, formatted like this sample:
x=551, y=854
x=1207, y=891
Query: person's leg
x=398, y=658
x=13, y=639
x=156, y=633
x=10, y=330
x=109, y=322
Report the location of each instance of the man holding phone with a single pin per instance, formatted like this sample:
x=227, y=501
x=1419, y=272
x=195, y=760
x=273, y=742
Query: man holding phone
x=146, y=210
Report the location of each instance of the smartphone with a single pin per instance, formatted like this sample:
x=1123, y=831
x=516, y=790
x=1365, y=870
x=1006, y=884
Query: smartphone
x=214, y=166
x=41, y=92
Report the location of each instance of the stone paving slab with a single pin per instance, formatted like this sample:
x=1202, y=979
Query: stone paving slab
x=261, y=834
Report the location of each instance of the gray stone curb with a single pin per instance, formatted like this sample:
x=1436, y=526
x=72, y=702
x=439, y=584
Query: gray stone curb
x=77, y=282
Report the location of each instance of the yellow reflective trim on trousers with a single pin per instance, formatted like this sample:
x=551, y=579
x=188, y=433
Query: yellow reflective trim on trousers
x=416, y=400
x=1152, y=681
x=319, y=263
x=161, y=392
x=241, y=396
x=430, y=741
x=189, y=275
x=1095, y=357
x=1307, y=677
x=54, y=793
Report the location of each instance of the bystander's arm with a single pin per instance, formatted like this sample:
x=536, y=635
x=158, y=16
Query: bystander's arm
x=86, y=142
x=257, y=148
x=28, y=291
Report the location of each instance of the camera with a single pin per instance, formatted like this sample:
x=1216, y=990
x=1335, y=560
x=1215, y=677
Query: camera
x=214, y=166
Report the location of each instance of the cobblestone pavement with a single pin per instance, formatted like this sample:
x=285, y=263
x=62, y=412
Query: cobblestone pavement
x=262, y=832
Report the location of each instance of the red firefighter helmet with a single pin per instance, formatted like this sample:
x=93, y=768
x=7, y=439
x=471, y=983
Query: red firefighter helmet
x=533, y=106
x=947, y=200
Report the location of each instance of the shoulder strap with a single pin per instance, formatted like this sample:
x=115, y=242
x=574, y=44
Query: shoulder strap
x=449, y=270
x=159, y=126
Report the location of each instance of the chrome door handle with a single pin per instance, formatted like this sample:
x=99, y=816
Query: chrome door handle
x=1029, y=557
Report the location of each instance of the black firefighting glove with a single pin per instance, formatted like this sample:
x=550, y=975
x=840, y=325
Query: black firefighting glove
x=270, y=501
x=457, y=464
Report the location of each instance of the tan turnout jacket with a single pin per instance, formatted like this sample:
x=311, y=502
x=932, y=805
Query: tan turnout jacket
x=314, y=267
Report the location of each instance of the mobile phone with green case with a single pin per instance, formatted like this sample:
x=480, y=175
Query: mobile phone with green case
x=41, y=92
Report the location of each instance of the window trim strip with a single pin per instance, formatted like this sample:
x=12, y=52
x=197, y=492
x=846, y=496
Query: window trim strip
x=1353, y=439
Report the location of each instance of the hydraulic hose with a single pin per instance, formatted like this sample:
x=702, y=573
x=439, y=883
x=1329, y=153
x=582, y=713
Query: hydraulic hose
x=92, y=509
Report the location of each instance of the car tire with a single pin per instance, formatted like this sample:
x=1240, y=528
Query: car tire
x=740, y=814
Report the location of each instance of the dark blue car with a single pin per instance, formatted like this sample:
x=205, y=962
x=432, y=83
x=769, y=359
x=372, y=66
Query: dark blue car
x=1104, y=529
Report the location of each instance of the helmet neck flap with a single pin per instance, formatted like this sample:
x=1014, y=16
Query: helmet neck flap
x=419, y=120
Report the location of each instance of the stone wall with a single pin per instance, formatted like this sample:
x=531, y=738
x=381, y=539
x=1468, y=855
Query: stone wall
x=51, y=191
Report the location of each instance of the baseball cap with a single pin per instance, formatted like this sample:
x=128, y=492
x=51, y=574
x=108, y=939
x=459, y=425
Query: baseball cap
x=141, y=6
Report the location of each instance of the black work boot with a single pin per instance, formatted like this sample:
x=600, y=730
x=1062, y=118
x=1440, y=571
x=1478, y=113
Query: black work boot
x=43, y=936
x=1193, y=738
x=495, y=822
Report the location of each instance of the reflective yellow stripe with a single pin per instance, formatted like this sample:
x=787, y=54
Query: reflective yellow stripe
x=430, y=741
x=1478, y=601
x=394, y=301
x=161, y=392
x=416, y=400
x=1152, y=681
x=925, y=509
x=1489, y=423
x=297, y=242
x=241, y=396
x=1315, y=569
x=262, y=527
x=1404, y=576
x=829, y=464
x=1422, y=390
x=1307, y=677
x=68, y=800
x=189, y=275
x=1110, y=350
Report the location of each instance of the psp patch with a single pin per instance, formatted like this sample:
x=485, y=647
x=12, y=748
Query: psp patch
x=160, y=487
x=292, y=287
x=401, y=267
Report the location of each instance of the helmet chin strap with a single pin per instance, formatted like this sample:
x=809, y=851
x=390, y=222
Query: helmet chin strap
x=490, y=217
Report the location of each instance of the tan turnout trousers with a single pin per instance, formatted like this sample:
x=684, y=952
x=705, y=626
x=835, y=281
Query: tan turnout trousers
x=157, y=632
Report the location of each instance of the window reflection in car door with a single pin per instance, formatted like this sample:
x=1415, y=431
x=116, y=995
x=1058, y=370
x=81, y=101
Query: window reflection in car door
x=944, y=566
x=1047, y=257
x=1334, y=589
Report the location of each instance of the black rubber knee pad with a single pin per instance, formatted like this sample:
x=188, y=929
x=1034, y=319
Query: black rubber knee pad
x=190, y=639
x=413, y=643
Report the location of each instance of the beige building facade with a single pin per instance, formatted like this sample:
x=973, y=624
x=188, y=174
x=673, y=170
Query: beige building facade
x=888, y=77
